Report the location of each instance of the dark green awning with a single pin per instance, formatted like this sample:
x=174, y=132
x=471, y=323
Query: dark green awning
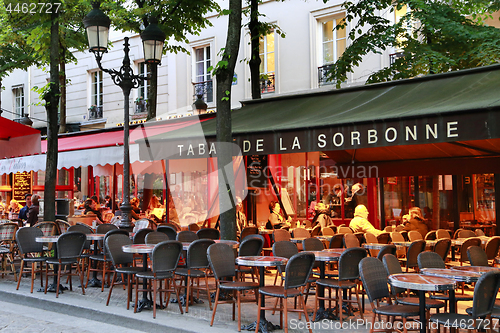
x=456, y=106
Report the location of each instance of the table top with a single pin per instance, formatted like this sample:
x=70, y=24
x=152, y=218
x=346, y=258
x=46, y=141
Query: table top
x=266, y=231
x=421, y=282
x=95, y=236
x=46, y=239
x=138, y=248
x=327, y=255
x=460, y=241
x=476, y=269
x=431, y=242
x=328, y=238
x=467, y=277
x=374, y=246
x=297, y=240
x=233, y=243
x=261, y=261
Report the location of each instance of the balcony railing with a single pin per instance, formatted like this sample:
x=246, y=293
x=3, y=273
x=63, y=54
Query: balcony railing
x=323, y=75
x=204, y=89
x=95, y=113
x=267, y=83
x=394, y=56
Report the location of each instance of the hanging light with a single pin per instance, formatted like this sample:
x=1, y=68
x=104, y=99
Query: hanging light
x=97, y=24
x=153, y=39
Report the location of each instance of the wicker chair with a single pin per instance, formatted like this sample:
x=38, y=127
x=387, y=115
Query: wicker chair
x=492, y=247
x=284, y=249
x=485, y=293
x=337, y=242
x=164, y=257
x=250, y=246
x=479, y=232
x=392, y=266
x=7, y=247
x=327, y=231
x=123, y=263
x=473, y=241
x=455, y=234
x=221, y=260
x=442, y=233
x=442, y=247
x=316, y=231
x=312, y=244
x=63, y=226
x=388, y=249
x=187, y=236
x=477, y=256
x=31, y=253
x=248, y=231
x=301, y=232
x=397, y=237
x=105, y=227
x=194, y=227
x=345, y=230
x=155, y=237
x=69, y=249
x=414, y=235
x=208, y=233
x=196, y=268
x=431, y=235
x=298, y=269
x=140, y=236
x=384, y=238
x=413, y=251
x=171, y=232
x=375, y=278
x=350, y=240
x=281, y=235
x=466, y=234
x=348, y=268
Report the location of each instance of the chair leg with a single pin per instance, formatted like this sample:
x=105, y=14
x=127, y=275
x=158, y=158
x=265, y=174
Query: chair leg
x=301, y=298
x=111, y=289
x=21, y=274
x=129, y=289
x=153, y=282
x=238, y=299
x=285, y=310
x=174, y=285
x=258, y=314
x=188, y=291
x=58, y=280
x=208, y=291
x=136, y=293
x=215, y=307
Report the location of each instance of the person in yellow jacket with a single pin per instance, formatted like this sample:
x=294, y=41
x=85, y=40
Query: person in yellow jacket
x=360, y=223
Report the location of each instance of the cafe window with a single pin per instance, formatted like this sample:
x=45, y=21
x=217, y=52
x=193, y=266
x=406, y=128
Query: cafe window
x=333, y=41
x=144, y=85
x=18, y=101
x=267, y=63
x=202, y=77
x=96, y=96
x=485, y=194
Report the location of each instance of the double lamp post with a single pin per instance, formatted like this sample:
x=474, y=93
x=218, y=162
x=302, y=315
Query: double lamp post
x=97, y=25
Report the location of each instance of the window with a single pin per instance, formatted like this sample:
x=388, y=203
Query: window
x=96, y=98
x=144, y=86
x=267, y=64
x=202, y=78
x=18, y=101
x=401, y=39
x=333, y=44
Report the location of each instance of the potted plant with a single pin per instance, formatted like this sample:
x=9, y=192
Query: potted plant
x=140, y=105
x=93, y=112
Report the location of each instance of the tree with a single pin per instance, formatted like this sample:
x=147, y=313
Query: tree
x=176, y=18
x=433, y=36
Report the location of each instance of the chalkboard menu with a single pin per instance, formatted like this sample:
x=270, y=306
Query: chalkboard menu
x=21, y=185
x=256, y=171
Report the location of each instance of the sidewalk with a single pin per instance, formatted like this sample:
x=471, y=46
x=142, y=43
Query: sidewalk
x=92, y=308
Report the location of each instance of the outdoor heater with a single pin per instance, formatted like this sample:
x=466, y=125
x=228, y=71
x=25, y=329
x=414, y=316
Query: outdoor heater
x=97, y=25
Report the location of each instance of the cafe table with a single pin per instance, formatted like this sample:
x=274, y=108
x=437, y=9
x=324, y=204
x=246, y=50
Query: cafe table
x=94, y=282
x=324, y=256
x=261, y=262
x=297, y=240
x=423, y=283
x=376, y=246
x=144, y=249
x=52, y=287
x=475, y=269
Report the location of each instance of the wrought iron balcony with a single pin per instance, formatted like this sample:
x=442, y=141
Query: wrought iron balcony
x=267, y=83
x=95, y=112
x=205, y=89
x=323, y=75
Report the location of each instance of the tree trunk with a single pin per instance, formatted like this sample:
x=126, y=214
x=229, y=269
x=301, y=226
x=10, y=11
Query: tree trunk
x=51, y=102
x=254, y=62
x=152, y=91
x=224, y=76
x=62, y=83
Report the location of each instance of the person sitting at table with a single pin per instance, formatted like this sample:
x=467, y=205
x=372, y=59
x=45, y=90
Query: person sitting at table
x=97, y=205
x=241, y=219
x=415, y=221
x=276, y=219
x=360, y=221
x=322, y=216
x=23, y=213
x=33, y=211
x=14, y=206
x=90, y=208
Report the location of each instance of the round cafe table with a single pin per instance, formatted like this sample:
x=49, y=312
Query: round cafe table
x=423, y=283
x=145, y=249
x=94, y=282
x=261, y=262
x=52, y=287
x=475, y=269
x=323, y=257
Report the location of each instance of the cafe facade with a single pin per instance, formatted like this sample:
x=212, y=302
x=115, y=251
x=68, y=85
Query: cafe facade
x=431, y=142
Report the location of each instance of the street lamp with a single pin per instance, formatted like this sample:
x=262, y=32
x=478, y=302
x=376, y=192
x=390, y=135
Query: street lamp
x=97, y=25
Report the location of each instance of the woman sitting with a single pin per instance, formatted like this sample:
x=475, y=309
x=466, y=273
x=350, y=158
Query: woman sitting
x=415, y=221
x=276, y=219
x=14, y=206
x=90, y=208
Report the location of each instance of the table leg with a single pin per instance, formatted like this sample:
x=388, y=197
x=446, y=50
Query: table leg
x=144, y=303
x=423, y=318
x=264, y=325
x=323, y=313
x=94, y=282
x=52, y=288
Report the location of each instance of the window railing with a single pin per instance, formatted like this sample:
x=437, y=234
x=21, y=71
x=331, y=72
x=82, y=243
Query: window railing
x=267, y=83
x=205, y=89
x=95, y=112
x=394, y=56
x=323, y=75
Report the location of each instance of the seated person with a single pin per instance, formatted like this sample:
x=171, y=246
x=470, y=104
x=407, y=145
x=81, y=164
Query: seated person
x=90, y=208
x=360, y=223
x=33, y=211
x=134, y=213
x=322, y=216
x=241, y=219
x=14, y=206
x=23, y=213
x=415, y=221
x=276, y=219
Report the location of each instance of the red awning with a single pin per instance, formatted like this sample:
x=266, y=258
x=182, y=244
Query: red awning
x=84, y=140
x=17, y=139
x=11, y=129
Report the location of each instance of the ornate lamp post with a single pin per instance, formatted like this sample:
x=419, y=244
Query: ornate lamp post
x=97, y=25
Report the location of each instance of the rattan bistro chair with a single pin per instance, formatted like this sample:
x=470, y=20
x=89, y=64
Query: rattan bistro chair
x=477, y=256
x=208, y=233
x=250, y=246
x=31, y=253
x=123, y=263
x=171, y=232
x=7, y=247
x=375, y=278
x=297, y=272
x=69, y=247
x=164, y=257
x=221, y=260
x=156, y=237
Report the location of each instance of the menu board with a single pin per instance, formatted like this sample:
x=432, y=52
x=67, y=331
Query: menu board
x=21, y=185
x=256, y=171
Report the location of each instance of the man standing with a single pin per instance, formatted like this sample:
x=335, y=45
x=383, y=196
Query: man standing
x=23, y=213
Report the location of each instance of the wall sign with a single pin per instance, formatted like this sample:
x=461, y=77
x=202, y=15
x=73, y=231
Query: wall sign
x=256, y=171
x=21, y=185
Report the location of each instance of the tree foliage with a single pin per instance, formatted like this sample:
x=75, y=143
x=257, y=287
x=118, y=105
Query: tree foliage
x=434, y=36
